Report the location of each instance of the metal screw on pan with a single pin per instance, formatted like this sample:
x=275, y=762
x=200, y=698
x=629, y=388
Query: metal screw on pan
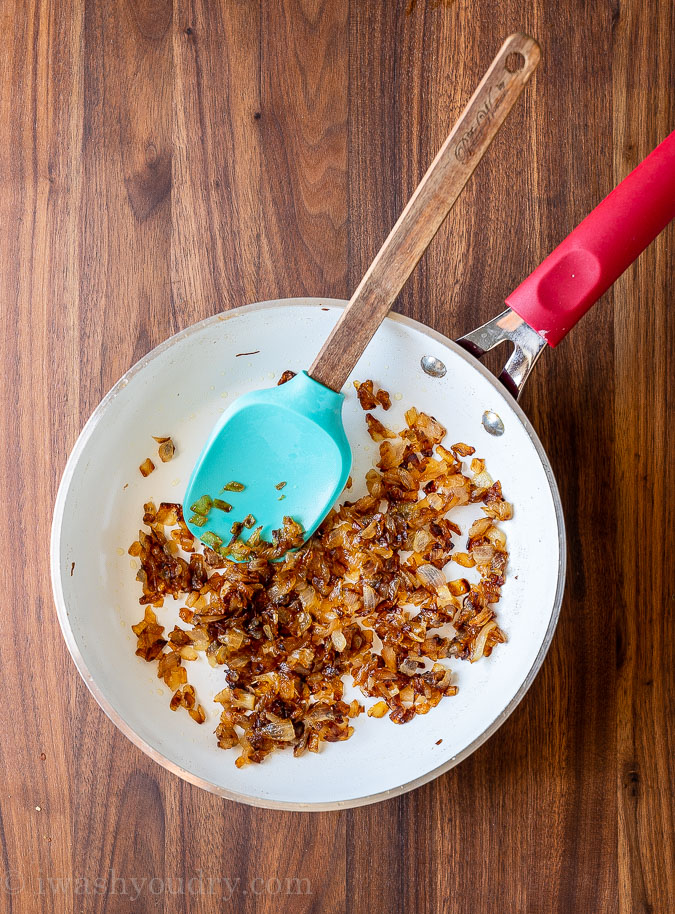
x=433, y=366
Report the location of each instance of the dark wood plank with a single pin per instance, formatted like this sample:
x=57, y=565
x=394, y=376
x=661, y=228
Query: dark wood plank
x=303, y=125
x=139, y=192
x=41, y=182
x=126, y=206
x=216, y=157
x=644, y=342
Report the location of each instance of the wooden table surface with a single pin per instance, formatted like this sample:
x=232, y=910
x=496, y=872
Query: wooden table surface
x=161, y=162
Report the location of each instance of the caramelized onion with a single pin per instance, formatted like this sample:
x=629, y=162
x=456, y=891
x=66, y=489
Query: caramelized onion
x=146, y=467
x=166, y=449
x=364, y=598
x=431, y=577
x=479, y=644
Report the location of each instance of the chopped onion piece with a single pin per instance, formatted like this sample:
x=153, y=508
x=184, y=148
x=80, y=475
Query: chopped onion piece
x=339, y=640
x=166, y=449
x=202, y=506
x=279, y=729
x=379, y=709
x=211, y=539
x=479, y=644
x=431, y=577
x=146, y=467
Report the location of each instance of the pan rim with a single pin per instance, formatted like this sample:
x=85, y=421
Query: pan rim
x=62, y=613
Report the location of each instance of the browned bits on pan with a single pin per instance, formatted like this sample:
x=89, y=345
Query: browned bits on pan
x=383, y=398
x=364, y=392
x=149, y=633
x=376, y=430
x=166, y=449
x=286, y=376
x=495, y=506
x=462, y=450
x=168, y=514
x=197, y=714
x=171, y=671
x=369, y=398
x=146, y=467
x=379, y=709
x=283, y=634
x=184, y=697
x=163, y=573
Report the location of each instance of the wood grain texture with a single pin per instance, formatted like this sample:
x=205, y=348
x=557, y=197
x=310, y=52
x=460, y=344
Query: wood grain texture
x=428, y=207
x=163, y=159
x=644, y=343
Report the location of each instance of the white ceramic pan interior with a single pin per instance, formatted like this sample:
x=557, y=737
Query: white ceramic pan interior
x=180, y=389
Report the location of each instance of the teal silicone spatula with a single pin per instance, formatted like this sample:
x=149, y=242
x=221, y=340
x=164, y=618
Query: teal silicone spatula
x=292, y=434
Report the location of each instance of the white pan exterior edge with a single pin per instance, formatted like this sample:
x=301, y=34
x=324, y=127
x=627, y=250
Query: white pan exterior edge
x=179, y=389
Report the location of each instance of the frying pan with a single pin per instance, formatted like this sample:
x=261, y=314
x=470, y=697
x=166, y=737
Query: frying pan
x=180, y=388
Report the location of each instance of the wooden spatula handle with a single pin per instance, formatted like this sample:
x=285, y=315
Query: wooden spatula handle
x=426, y=210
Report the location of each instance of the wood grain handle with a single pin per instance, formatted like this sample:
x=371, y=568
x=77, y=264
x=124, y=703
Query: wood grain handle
x=426, y=209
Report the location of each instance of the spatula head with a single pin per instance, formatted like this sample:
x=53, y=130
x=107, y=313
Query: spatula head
x=291, y=434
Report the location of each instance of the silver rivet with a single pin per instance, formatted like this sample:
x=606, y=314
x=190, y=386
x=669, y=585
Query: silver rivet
x=492, y=423
x=433, y=366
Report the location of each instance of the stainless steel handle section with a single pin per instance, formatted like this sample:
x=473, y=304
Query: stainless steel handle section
x=528, y=346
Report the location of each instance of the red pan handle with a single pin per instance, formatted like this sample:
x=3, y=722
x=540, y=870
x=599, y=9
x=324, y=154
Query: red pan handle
x=574, y=276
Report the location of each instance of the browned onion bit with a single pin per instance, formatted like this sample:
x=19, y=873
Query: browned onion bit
x=365, y=394
x=197, y=714
x=286, y=376
x=146, y=467
x=376, y=430
x=166, y=449
x=383, y=398
x=234, y=487
x=285, y=633
x=462, y=450
x=369, y=398
x=149, y=634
